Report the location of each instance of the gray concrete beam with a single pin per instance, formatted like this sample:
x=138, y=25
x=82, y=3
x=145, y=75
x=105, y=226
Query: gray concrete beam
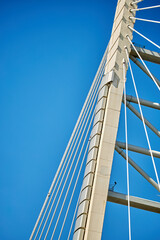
x=141, y=66
x=135, y=202
x=139, y=169
x=143, y=102
x=146, y=54
x=138, y=149
x=155, y=130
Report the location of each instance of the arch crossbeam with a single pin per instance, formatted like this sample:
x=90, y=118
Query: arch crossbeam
x=135, y=202
x=146, y=54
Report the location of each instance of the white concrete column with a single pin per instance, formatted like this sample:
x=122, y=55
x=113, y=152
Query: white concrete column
x=94, y=191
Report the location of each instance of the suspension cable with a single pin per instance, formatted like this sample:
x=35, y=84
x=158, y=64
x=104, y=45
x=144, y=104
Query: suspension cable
x=100, y=72
x=62, y=170
x=66, y=168
x=72, y=162
x=68, y=145
x=84, y=156
x=138, y=1
x=75, y=211
x=70, y=184
x=144, y=37
x=145, y=20
x=126, y=137
x=143, y=63
x=68, y=175
x=144, y=125
x=86, y=108
x=145, y=8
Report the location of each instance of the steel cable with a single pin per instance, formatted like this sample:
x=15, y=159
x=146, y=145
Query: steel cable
x=74, y=157
x=72, y=194
x=145, y=8
x=62, y=160
x=143, y=62
x=47, y=219
x=126, y=138
x=144, y=37
x=86, y=108
x=144, y=125
x=144, y=20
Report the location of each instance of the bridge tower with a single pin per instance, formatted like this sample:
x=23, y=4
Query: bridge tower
x=95, y=186
x=103, y=106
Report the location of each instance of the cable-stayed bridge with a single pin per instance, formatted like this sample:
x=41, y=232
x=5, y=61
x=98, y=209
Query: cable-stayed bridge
x=94, y=143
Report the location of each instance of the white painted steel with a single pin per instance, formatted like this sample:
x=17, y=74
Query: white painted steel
x=75, y=185
x=91, y=228
x=144, y=37
x=135, y=2
x=87, y=109
x=139, y=169
x=68, y=145
x=126, y=138
x=157, y=132
x=143, y=63
x=140, y=65
x=143, y=102
x=143, y=120
x=146, y=54
x=86, y=134
x=135, y=202
x=138, y=149
x=92, y=200
x=145, y=8
x=145, y=20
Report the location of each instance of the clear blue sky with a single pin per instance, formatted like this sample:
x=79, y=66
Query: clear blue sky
x=49, y=54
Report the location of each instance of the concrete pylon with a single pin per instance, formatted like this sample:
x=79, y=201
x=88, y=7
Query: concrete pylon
x=94, y=191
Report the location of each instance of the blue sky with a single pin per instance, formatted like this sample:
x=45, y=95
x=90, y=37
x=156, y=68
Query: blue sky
x=50, y=51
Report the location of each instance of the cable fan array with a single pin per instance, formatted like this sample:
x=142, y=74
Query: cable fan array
x=140, y=115
x=66, y=183
x=61, y=203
